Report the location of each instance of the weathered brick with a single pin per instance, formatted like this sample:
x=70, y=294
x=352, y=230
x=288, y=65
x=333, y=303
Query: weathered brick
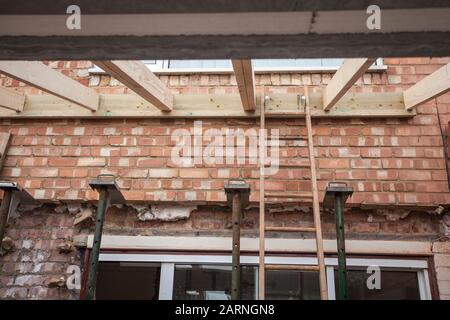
x=91, y=162
x=194, y=173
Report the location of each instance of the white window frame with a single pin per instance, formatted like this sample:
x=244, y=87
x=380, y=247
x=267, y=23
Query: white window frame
x=161, y=67
x=168, y=262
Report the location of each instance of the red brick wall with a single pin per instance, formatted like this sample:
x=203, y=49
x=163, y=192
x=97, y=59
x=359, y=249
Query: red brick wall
x=387, y=161
x=26, y=272
x=216, y=221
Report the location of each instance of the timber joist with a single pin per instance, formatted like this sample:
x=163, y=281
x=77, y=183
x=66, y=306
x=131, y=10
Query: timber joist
x=279, y=105
x=152, y=99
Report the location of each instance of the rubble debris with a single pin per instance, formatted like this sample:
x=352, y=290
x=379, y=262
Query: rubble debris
x=439, y=210
x=61, y=208
x=284, y=209
x=28, y=207
x=66, y=246
x=57, y=282
x=74, y=208
x=84, y=216
x=393, y=215
x=7, y=245
x=445, y=225
x=163, y=212
x=142, y=211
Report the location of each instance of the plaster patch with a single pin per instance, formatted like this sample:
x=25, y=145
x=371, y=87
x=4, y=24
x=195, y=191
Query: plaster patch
x=164, y=212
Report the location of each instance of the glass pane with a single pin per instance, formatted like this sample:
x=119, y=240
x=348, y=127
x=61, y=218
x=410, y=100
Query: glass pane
x=211, y=282
x=186, y=64
x=273, y=63
x=123, y=280
x=331, y=62
x=292, y=285
x=394, y=285
x=257, y=63
x=286, y=63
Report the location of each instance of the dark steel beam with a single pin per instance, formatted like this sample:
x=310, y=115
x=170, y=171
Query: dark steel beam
x=412, y=44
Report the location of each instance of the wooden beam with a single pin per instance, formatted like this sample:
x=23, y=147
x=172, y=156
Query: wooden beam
x=282, y=105
x=39, y=75
x=5, y=138
x=136, y=76
x=245, y=79
x=343, y=79
x=11, y=100
x=428, y=88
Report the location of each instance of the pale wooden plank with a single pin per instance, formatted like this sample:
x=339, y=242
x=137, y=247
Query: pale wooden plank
x=361, y=105
x=5, y=138
x=39, y=75
x=136, y=76
x=316, y=206
x=343, y=79
x=245, y=79
x=428, y=88
x=295, y=245
x=11, y=100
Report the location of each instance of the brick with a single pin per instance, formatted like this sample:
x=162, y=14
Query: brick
x=133, y=173
x=33, y=162
x=333, y=163
x=414, y=175
x=105, y=152
x=225, y=173
x=42, y=173
x=62, y=162
x=194, y=173
x=163, y=173
x=76, y=151
x=122, y=141
x=93, y=141
x=147, y=184
x=29, y=280
x=91, y=162
x=74, y=173
x=151, y=162
x=365, y=163
x=375, y=152
x=382, y=174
